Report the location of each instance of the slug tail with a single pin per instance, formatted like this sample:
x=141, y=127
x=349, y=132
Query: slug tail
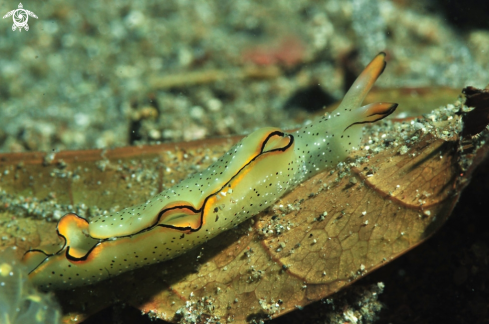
x=72, y=230
x=373, y=112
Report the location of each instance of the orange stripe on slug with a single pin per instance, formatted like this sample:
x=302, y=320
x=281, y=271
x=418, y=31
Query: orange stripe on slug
x=40, y=268
x=87, y=257
x=74, y=229
x=188, y=218
x=209, y=208
x=70, y=223
x=374, y=112
x=259, y=148
x=240, y=176
x=379, y=109
x=276, y=142
x=180, y=203
x=370, y=74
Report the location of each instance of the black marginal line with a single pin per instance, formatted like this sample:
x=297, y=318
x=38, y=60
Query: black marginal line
x=160, y=214
x=364, y=122
x=383, y=68
x=57, y=252
x=38, y=250
x=83, y=258
x=383, y=115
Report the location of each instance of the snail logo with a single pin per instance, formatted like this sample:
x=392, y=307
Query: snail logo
x=20, y=16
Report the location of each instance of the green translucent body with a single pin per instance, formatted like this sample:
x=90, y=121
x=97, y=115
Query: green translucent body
x=250, y=177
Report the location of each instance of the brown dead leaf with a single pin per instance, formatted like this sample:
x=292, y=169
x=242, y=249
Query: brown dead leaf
x=330, y=231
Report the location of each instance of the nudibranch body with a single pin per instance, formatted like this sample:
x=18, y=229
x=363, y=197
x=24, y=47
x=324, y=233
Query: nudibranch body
x=250, y=177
